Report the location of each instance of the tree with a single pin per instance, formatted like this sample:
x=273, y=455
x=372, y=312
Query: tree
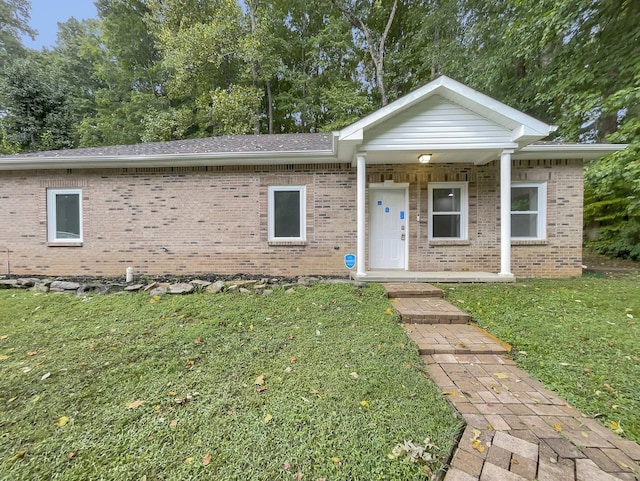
x=39, y=113
x=362, y=15
x=130, y=89
x=14, y=21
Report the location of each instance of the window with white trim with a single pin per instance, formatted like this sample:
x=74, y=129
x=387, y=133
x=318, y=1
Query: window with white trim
x=287, y=213
x=64, y=215
x=528, y=211
x=448, y=206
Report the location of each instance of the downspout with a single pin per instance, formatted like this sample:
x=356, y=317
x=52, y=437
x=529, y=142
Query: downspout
x=361, y=174
x=505, y=214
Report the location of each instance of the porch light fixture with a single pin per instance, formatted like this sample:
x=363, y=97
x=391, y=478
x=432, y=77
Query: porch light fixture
x=424, y=158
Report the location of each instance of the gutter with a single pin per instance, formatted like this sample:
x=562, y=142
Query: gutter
x=167, y=160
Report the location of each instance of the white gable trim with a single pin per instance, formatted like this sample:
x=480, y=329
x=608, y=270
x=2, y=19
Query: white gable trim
x=525, y=129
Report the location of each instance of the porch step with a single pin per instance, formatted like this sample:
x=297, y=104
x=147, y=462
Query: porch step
x=412, y=289
x=458, y=340
x=429, y=311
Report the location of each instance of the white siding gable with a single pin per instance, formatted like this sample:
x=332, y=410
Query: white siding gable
x=435, y=122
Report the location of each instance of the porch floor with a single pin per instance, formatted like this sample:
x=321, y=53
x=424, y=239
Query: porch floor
x=431, y=276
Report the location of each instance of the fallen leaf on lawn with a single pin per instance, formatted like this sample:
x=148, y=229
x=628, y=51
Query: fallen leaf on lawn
x=188, y=460
x=608, y=387
x=63, y=421
x=173, y=423
x=365, y=404
x=298, y=476
x=261, y=388
x=135, y=404
x=154, y=299
x=190, y=363
x=557, y=427
x=45, y=376
x=354, y=375
x=32, y=353
x=501, y=375
x=72, y=454
x=3, y=357
x=197, y=340
x=18, y=455
x=286, y=465
x=259, y=380
x=293, y=359
x=206, y=460
x=389, y=312
x=172, y=393
x=617, y=428
x=268, y=418
x=2, y=338
x=336, y=459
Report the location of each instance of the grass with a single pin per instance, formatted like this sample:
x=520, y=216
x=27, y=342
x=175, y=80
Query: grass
x=229, y=386
x=579, y=337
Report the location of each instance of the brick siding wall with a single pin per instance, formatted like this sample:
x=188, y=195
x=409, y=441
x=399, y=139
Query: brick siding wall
x=214, y=220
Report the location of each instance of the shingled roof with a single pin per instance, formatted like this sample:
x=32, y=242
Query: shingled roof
x=225, y=144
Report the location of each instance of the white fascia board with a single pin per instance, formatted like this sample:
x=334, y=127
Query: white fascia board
x=434, y=148
x=567, y=151
x=172, y=160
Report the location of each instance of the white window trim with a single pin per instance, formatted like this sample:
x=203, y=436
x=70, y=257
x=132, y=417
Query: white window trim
x=303, y=213
x=51, y=215
x=464, y=209
x=542, y=210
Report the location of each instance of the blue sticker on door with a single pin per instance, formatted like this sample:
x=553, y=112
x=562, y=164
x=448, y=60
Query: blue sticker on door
x=401, y=215
x=386, y=210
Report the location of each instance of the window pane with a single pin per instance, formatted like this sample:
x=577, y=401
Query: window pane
x=67, y=216
x=286, y=208
x=446, y=200
x=524, y=199
x=524, y=225
x=446, y=226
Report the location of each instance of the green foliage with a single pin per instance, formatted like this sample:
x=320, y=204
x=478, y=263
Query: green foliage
x=579, y=337
x=40, y=114
x=14, y=22
x=232, y=111
x=105, y=353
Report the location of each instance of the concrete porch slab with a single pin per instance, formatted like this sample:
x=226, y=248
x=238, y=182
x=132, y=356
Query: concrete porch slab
x=444, y=276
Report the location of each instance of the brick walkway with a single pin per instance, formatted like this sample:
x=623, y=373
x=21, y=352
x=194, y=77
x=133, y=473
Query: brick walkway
x=516, y=429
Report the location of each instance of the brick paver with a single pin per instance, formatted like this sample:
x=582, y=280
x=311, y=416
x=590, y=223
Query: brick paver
x=517, y=430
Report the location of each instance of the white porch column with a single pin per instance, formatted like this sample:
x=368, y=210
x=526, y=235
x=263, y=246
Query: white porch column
x=505, y=213
x=361, y=201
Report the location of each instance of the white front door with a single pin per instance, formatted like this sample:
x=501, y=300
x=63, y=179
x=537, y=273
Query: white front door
x=388, y=223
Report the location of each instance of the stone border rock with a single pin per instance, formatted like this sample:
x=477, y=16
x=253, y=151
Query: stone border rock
x=100, y=286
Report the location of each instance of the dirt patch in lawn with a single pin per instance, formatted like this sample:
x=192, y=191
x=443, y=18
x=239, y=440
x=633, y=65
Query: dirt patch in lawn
x=595, y=263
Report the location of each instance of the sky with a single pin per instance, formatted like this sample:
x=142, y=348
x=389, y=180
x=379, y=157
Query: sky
x=45, y=15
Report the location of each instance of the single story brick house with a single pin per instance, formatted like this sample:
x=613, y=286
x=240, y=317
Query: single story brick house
x=445, y=181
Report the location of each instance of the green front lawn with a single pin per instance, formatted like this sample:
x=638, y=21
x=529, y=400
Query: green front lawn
x=580, y=337
x=315, y=384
